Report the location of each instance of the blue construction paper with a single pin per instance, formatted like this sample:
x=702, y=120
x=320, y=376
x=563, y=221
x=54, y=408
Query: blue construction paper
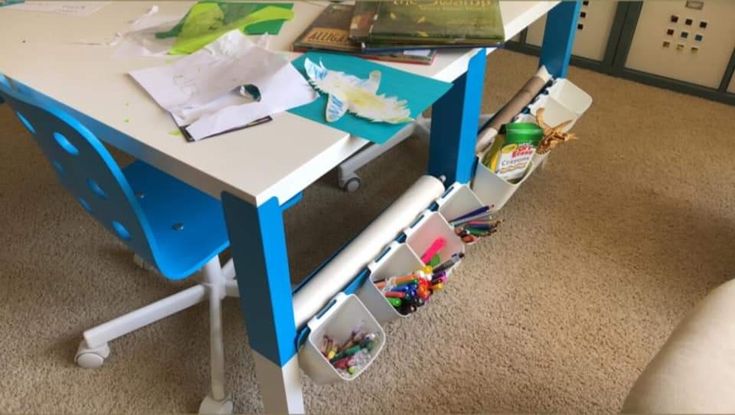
x=419, y=91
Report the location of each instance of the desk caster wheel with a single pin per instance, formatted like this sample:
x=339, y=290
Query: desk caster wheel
x=211, y=406
x=91, y=358
x=352, y=184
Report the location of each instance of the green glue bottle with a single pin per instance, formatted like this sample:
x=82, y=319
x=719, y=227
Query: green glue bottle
x=511, y=154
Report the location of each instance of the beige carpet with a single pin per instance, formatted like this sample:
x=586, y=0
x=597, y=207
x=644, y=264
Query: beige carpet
x=599, y=257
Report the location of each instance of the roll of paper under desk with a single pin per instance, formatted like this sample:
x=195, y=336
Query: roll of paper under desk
x=340, y=271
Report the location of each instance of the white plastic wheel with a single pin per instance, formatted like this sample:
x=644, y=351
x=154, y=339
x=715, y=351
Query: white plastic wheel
x=91, y=358
x=352, y=185
x=211, y=406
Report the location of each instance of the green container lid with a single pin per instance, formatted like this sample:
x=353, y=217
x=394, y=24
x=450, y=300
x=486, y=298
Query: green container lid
x=523, y=132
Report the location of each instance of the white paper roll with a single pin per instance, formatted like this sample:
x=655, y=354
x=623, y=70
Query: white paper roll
x=364, y=248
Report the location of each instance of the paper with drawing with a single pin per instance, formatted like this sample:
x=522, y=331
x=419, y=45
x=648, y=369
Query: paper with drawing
x=203, y=90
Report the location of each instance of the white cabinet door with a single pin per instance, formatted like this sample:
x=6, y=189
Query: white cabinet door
x=684, y=43
x=593, y=29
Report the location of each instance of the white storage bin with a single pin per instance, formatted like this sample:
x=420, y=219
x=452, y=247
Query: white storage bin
x=427, y=229
x=399, y=260
x=347, y=313
x=570, y=96
x=457, y=201
x=493, y=190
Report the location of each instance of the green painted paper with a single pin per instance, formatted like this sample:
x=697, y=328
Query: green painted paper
x=208, y=20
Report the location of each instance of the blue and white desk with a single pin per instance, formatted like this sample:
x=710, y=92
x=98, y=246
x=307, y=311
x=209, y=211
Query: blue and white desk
x=257, y=172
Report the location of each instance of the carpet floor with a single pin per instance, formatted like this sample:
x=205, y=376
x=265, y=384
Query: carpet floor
x=601, y=254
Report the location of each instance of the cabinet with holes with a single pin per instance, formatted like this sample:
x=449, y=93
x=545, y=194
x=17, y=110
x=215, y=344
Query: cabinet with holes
x=690, y=41
x=683, y=45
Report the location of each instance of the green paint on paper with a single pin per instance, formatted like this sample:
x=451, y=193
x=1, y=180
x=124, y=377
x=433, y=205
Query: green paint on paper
x=175, y=133
x=208, y=20
x=126, y=120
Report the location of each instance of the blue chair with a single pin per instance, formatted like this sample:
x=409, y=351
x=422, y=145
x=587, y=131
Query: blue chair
x=170, y=225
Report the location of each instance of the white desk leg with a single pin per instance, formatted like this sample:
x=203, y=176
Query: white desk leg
x=280, y=387
x=258, y=243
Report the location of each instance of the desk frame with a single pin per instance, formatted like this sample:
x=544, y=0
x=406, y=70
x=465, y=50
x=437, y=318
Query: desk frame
x=258, y=238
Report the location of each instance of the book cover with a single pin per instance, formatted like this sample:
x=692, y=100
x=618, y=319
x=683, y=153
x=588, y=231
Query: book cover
x=330, y=31
x=427, y=22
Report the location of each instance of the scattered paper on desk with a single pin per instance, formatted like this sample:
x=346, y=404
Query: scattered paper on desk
x=358, y=96
x=71, y=8
x=208, y=20
x=203, y=90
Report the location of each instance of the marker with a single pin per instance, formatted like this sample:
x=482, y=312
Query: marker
x=449, y=263
x=395, y=294
x=395, y=302
x=433, y=249
x=437, y=287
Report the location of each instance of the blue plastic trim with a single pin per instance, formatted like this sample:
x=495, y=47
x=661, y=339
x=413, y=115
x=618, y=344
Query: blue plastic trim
x=561, y=26
x=454, y=124
x=293, y=201
x=261, y=262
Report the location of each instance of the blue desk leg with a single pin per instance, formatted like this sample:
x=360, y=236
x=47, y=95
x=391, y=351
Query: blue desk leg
x=454, y=123
x=258, y=242
x=561, y=26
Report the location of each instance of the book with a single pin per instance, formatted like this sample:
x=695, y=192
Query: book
x=420, y=23
x=330, y=31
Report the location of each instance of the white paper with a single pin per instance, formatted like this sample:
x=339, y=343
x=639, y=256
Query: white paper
x=71, y=8
x=201, y=90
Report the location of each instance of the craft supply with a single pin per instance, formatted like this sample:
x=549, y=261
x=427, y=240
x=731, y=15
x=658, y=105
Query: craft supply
x=433, y=249
x=452, y=261
x=511, y=154
x=471, y=231
x=358, y=96
x=553, y=136
x=208, y=20
x=354, y=354
x=406, y=293
x=470, y=214
x=514, y=106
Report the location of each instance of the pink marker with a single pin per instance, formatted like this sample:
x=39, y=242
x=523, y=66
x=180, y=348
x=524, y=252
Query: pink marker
x=435, y=247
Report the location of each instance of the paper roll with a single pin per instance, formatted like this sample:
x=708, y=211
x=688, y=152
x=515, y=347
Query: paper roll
x=515, y=105
x=340, y=271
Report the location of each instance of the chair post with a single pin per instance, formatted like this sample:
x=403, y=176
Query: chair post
x=214, y=280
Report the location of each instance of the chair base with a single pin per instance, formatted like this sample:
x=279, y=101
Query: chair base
x=91, y=357
x=212, y=406
x=217, y=283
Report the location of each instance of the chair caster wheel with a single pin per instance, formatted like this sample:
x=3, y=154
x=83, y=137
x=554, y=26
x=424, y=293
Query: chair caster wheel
x=211, y=406
x=91, y=358
x=352, y=184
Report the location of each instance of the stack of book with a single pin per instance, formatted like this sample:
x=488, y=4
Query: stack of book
x=404, y=30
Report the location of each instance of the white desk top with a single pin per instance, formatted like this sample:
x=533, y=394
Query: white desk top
x=279, y=158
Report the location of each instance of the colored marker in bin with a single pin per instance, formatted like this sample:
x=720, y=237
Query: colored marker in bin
x=406, y=293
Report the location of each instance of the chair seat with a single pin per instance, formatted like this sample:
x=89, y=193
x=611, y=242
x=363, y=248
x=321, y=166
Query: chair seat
x=694, y=372
x=188, y=225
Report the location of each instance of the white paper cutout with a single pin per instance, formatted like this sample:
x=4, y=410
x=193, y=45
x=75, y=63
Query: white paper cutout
x=358, y=96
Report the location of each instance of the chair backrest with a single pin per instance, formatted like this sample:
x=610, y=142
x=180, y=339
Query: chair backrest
x=85, y=168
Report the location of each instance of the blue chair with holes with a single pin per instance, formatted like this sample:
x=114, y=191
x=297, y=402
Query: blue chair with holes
x=171, y=226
